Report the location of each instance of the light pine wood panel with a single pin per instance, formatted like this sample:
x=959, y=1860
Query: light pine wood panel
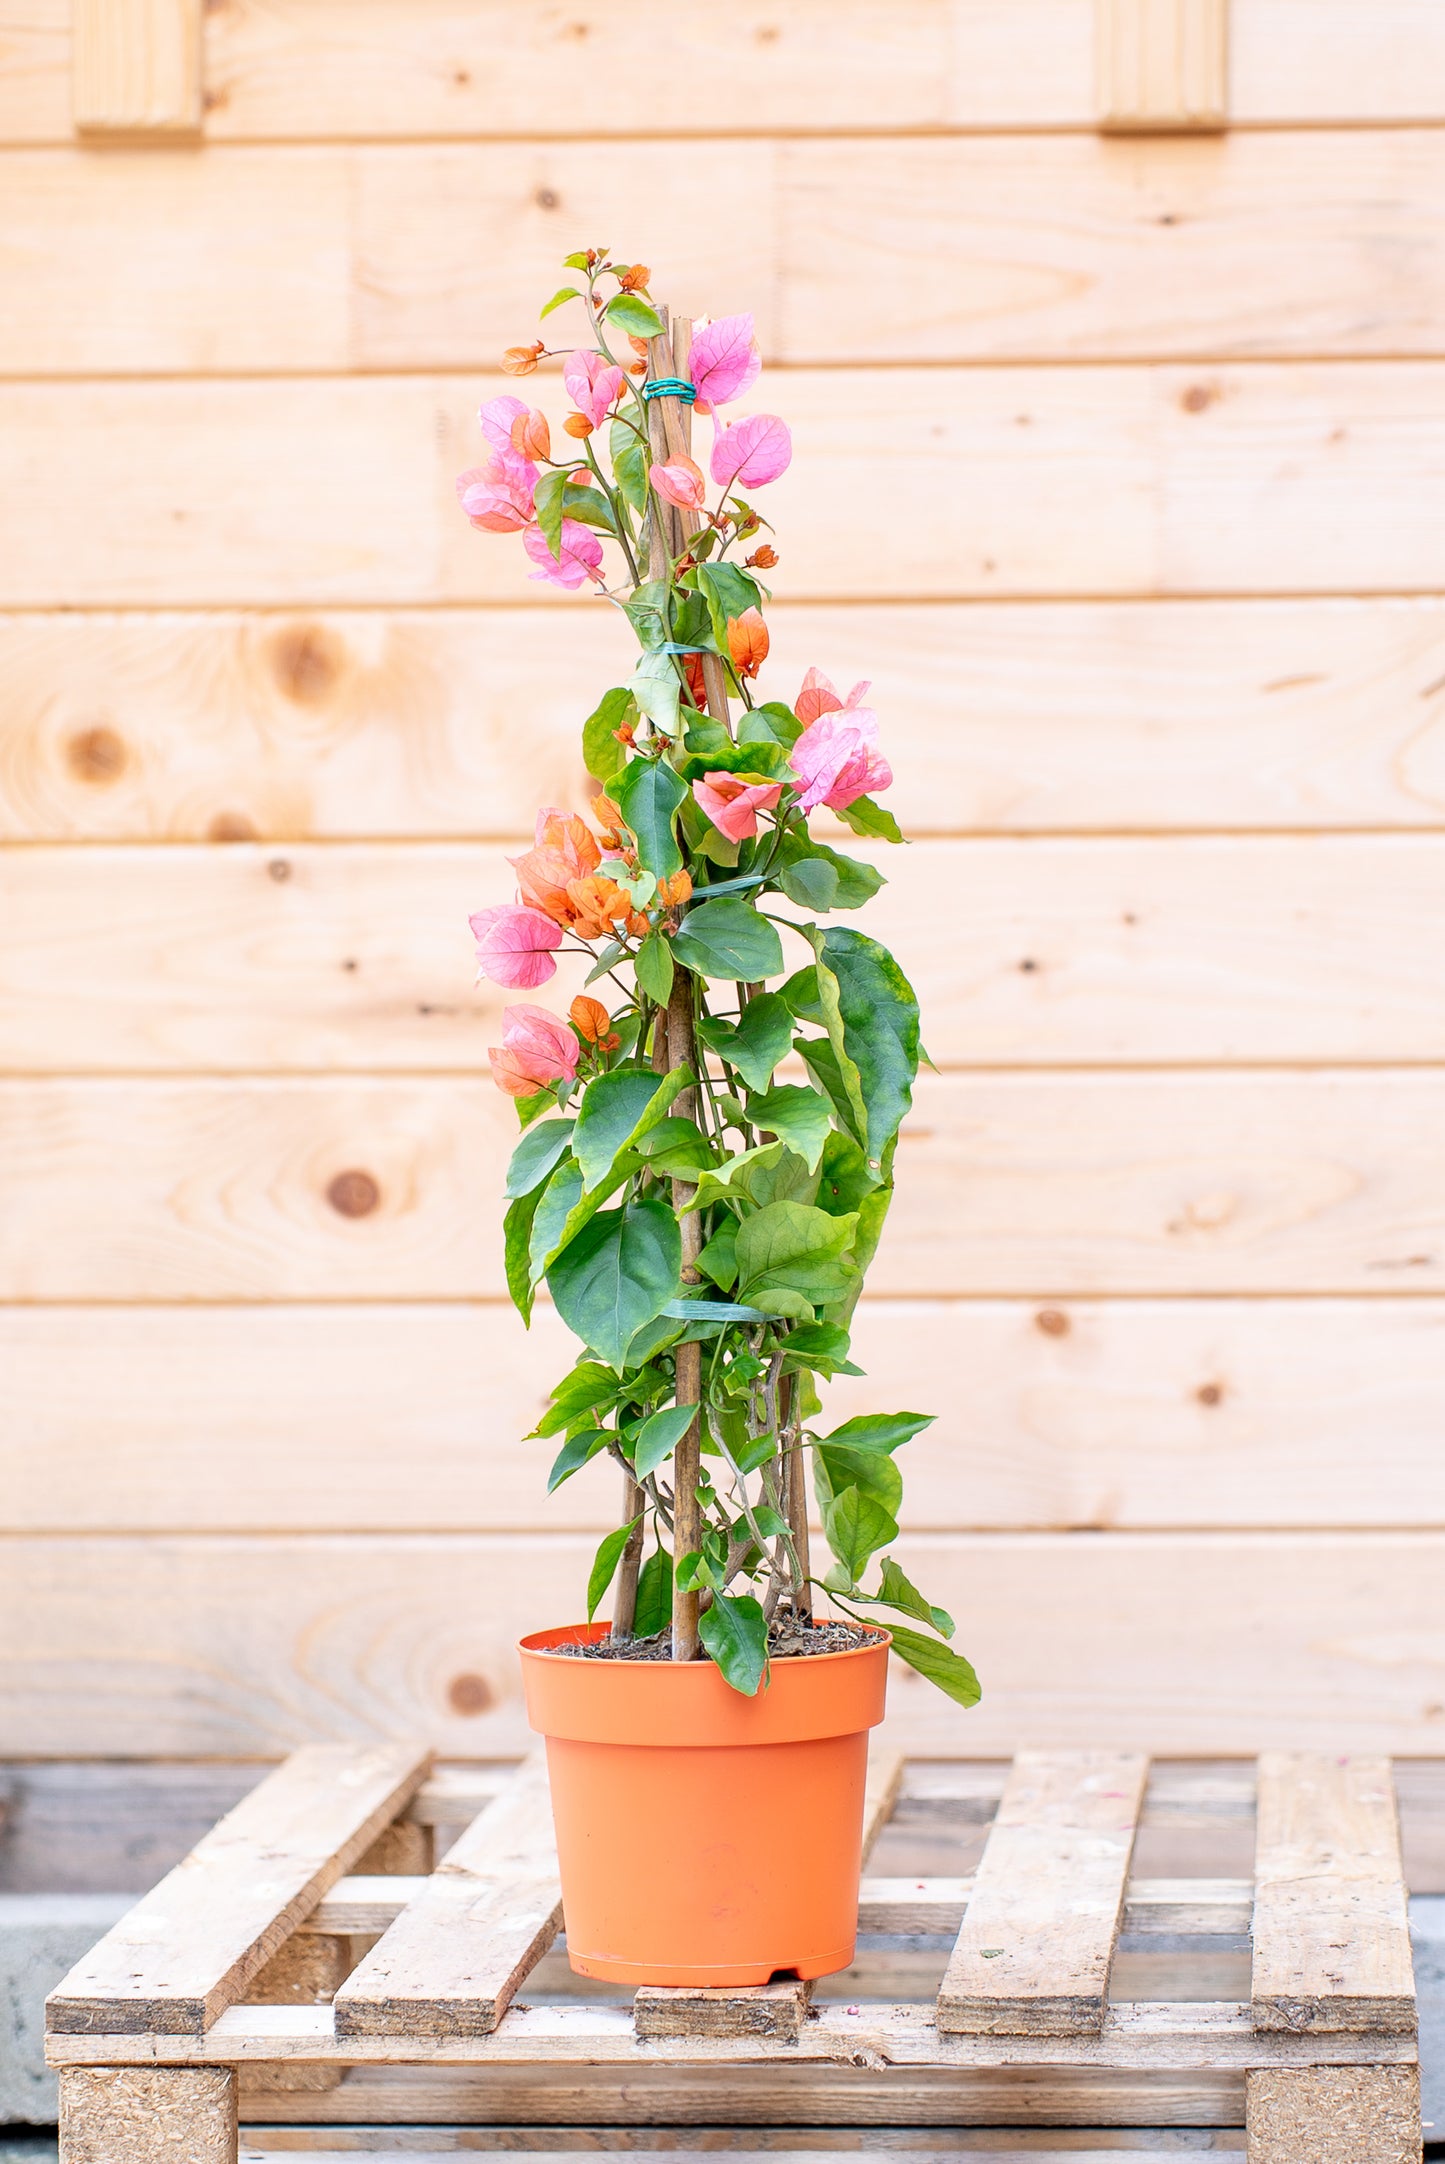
x=1267, y=478
x=1091, y=1415
x=998, y=248
x=404, y=723
x=1034, y=952
x=136, y=67
x=35, y=88
x=1163, y=66
x=1008, y=1183
x=1184, y=1643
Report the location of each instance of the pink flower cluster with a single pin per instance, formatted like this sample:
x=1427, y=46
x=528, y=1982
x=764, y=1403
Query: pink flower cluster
x=498, y=497
x=536, y=1051
x=836, y=758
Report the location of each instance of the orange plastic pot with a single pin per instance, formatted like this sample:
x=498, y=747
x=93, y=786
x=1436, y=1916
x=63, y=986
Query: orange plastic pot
x=704, y=1837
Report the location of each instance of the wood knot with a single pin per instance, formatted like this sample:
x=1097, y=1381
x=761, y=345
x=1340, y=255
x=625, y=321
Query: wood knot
x=1210, y=1393
x=97, y=755
x=353, y=1194
x=1199, y=397
x=547, y=199
x=306, y=660
x=279, y=869
x=231, y=827
x=1053, y=1322
x=469, y=1695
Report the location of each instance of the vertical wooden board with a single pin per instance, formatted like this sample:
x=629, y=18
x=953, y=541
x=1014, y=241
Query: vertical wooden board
x=131, y=2114
x=137, y=67
x=1162, y=64
x=190, y=1946
x=1331, y=1936
x=1032, y=1957
x=35, y=88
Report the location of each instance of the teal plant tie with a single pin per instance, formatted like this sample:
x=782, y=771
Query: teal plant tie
x=670, y=387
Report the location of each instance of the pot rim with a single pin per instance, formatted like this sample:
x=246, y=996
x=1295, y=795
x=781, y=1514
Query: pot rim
x=593, y=1633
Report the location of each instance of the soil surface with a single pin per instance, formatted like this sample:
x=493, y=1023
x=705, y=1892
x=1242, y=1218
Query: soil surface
x=786, y=1641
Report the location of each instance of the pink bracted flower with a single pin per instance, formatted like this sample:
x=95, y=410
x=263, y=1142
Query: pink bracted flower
x=514, y=946
x=836, y=760
x=498, y=417
x=536, y=1051
x=724, y=361
x=750, y=453
x=733, y=801
x=819, y=695
x=679, y=481
x=498, y=496
x=580, y=560
x=593, y=384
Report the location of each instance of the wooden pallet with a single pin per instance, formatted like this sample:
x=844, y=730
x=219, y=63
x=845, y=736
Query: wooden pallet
x=305, y=1947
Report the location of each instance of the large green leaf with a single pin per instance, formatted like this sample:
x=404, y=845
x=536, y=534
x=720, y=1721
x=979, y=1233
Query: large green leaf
x=559, y=1198
x=773, y=723
x=793, y=1244
x=582, y=1390
x=657, y=688
x=866, y=817
x=756, y=1042
x=897, y=1590
x=600, y=749
x=653, y=963
x=857, y=1527
x=800, y=1116
x=547, y=502
x=769, y=1173
x=617, y=1274
x=659, y=1436
x=728, y=939
x=719, y=1258
x=648, y=794
x=615, y=1110
x=604, y=1565
x=517, y=1250
x=879, y=1020
x=736, y=1635
x=872, y=1473
x=535, y=1155
x=949, y=1670
x=878, y=1431
x=577, y=1451
x=654, y=1595
x=646, y=610
x=816, y=877
x=630, y=314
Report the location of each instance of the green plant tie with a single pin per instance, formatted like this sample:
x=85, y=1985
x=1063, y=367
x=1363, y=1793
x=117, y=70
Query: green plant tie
x=670, y=387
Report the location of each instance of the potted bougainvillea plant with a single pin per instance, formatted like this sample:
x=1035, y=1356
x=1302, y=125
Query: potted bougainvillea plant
x=704, y=1169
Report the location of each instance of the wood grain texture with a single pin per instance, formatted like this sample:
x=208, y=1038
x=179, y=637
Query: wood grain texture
x=228, y=1646
x=1163, y=65
x=130, y=2114
x=136, y=67
x=1331, y=1934
x=1012, y=1183
x=1247, y=478
x=1036, y=953
x=1033, y=1953
x=1092, y=1414
x=189, y=1948
x=451, y=1963
x=1334, y=2115
x=1050, y=716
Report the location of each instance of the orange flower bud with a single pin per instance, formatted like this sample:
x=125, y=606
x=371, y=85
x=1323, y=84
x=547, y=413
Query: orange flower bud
x=636, y=279
x=692, y=669
x=748, y=642
x=590, y=1019
x=522, y=360
x=638, y=925
x=531, y=435
x=675, y=891
x=762, y=559
x=578, y=425
x=638, y=345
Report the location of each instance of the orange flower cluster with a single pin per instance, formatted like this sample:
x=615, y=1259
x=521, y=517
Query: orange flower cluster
x=559, y=876
x=593, y=1023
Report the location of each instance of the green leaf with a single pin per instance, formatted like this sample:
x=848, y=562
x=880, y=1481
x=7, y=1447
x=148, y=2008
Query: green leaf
x=792, y=1244
x=617, y=1275
x=879, y=1431
x=842, y=1082
x=845, y=1181
x=576, y=1452
x=532, y=1108
x=653, y=962
x=728, y=591
x=820, y=1342
x=872, y=1473
x=633, y=316
x=516, y=1251
x=581, y=1390
x=659, y=1436
x=897, y=1590
x=940, y=1664
x=857, y=1527
x=629, y=465
x=547, y=502
x=879, y=1017
x=760, y=1175
x=797, y=1115
x=650, y=1340
x=800, y=996
x=728, y=939
x=563, y=293
x=658, y=691
x=603, y=754
x=559, y=1198
x=719, y=1258
x=604, y=1567
x=809, y=881
x=785, y=1304
x=648, y=794
x=736, y=1635
x=753, y=762
x=757, y=1042
x=584, y=503
x=616, y=1111
x=654, y=1595
x=535, y=1155
x=773, y=723
x=810, y=869
x=866, y=817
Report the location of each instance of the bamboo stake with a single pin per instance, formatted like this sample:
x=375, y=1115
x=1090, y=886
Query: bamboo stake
x=687, y=1458
x=795, y=1502
x=624, y=1612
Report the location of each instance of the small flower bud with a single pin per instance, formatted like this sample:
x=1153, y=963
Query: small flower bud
x=636, y=279
x=762, y=559
x=578, y=425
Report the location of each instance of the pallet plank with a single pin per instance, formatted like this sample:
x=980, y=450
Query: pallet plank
x=1331, y=1935
x=189, y=1948
x=453, y=1959
x=1033, y=1955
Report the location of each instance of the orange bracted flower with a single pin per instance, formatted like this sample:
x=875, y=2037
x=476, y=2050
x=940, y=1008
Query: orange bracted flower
x=565, y=850
x=531, y=435
x=590, y=1019
x=748, y=642
x=639, y=347
x=578, y=426
x=672, y=893
x=692, y=670
x=762, y=559
x=596, y=904
x=639, y=924
x=616, y=839
x=637, y=279
x=522, y=360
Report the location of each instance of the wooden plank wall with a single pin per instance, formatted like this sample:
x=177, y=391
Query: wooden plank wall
x=1121, y=471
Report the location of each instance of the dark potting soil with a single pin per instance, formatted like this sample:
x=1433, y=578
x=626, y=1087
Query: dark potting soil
x=786, y=1641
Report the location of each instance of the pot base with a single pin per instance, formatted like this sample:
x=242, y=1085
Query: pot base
x=723, y=1976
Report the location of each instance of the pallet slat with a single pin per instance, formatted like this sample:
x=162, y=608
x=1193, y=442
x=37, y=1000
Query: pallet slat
x=189, y=1948
x=1331, y=1936
x=453, y=1959
x=1032, y=1957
